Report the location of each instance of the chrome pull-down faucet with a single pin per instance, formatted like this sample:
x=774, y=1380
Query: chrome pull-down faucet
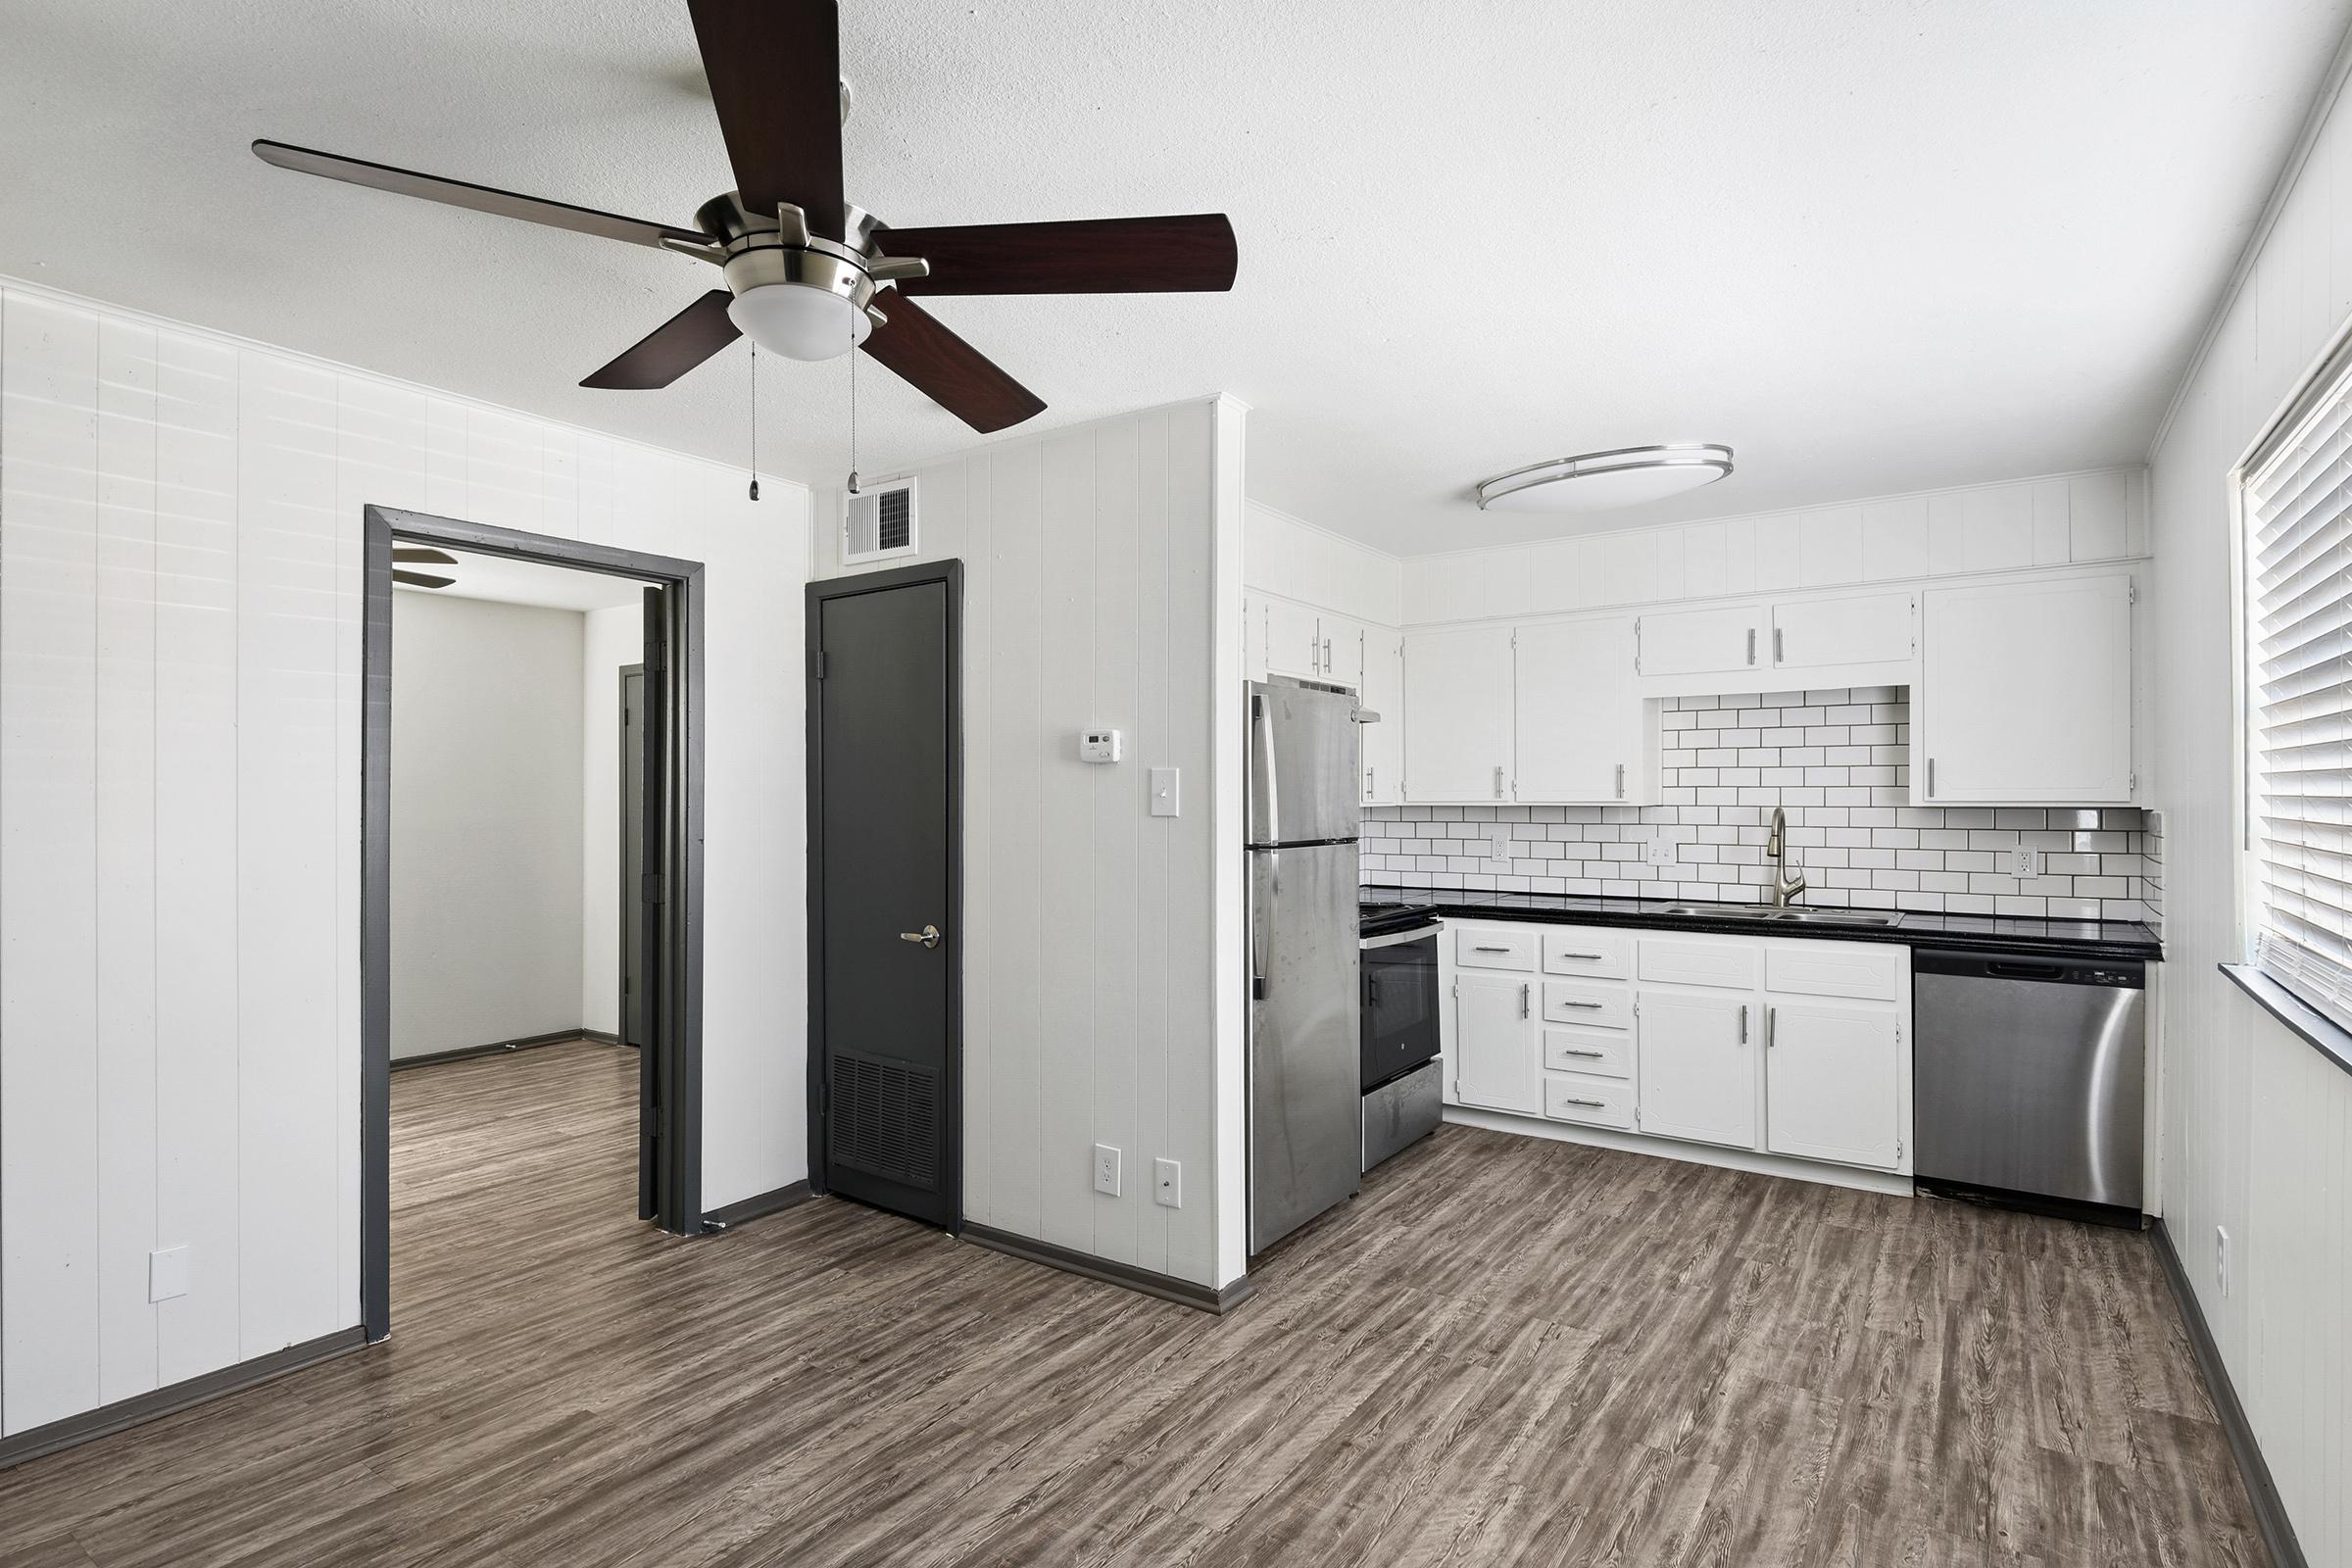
x=1784, y=887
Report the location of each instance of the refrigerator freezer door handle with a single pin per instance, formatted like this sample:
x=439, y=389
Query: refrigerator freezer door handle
x=1265, y=873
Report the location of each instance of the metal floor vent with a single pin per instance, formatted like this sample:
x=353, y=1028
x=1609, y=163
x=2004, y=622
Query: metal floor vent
x=884, y=1119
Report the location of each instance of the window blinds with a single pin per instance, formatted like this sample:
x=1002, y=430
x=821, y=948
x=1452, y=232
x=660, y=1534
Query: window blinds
x=2298, y=516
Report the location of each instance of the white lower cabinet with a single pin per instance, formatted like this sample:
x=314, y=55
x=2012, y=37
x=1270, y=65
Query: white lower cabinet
x=1698, y=1073
x=1779, y=1046
x=1832, y=1082
x=1496, y=1063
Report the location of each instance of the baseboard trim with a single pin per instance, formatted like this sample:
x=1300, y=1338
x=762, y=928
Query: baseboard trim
x=2269, y=1510
x=1169, y=1288
x=757, y=1205
x=497, y=1046
x=1894, y=1184
x=106, y=1419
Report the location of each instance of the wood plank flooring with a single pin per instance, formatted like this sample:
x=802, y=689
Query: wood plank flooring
x=1505, y=1351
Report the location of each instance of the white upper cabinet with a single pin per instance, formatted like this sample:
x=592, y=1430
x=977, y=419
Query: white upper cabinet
x=1383, y=692
x=1341, y=646
x=1293, y=639
x=1577, y=715
x=1457, y=704
x=1702, y=642
x=1820, y=633
x=2025, y=694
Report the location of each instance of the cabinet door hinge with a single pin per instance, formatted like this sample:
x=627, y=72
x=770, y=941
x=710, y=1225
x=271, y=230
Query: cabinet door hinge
x=2131, y=593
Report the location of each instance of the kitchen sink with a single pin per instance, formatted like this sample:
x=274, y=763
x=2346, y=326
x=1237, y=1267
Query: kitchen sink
x=1766, y=913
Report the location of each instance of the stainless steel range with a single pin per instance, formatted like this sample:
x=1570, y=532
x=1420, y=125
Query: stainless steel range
x=1400, y=1078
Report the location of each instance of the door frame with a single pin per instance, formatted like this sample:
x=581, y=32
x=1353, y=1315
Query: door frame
x=681, y=1045
x=950, y=575
x=622, y=855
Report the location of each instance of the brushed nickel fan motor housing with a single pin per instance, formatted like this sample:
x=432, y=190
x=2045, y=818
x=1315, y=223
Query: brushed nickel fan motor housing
x=755, y=251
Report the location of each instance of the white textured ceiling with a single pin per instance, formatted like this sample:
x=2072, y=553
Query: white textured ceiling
x=1874, y=246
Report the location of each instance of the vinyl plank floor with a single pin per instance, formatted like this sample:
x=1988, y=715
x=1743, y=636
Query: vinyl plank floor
x=1505, y=1351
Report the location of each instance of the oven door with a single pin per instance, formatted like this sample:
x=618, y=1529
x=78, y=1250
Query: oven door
x=1401, y=1003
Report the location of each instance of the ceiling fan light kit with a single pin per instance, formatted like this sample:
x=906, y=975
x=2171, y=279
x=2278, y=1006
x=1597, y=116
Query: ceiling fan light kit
x=1627, y=476
x=808, y=274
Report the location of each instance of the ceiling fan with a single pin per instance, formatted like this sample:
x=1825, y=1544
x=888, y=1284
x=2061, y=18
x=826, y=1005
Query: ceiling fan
x=807, y=274
x=417, y=555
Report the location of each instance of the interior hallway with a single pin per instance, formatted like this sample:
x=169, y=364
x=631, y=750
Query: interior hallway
x=1630, y=1360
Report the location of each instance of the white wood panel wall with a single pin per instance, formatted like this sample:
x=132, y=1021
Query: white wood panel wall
x=2259, y=1127
x=179, y=730
x=1092, y=1008
x=2060, y=520
x=1288, y=556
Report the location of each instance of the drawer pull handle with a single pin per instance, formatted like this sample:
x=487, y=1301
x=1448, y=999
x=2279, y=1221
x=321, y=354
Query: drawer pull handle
x=1594, y=1005
x=1571, y=1050
x=1596, y=1105
x=1484, y=947
x=1593, y=957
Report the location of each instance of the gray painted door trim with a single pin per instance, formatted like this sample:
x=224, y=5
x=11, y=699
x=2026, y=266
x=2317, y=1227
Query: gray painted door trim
x=950, y=574
x=682, y=1133
x=625, y=892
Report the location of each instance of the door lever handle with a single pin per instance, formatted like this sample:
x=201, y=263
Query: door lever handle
x=929, y=936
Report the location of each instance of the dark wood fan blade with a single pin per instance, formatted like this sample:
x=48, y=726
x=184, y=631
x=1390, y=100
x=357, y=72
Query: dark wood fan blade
x=421, y=579
x=947, y=370
x=775, y=78
x=671, y=349
x=419, y=555
x=1193, y=253
x=480, y=198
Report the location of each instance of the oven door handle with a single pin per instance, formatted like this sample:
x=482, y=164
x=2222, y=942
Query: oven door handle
x=1396, y=937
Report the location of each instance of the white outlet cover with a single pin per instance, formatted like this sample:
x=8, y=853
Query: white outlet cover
x=1168, y=1183
x=1659, y=851
x=1502, y=845
x=2025, y=861
x=167, y=1273
x=1106, y=1170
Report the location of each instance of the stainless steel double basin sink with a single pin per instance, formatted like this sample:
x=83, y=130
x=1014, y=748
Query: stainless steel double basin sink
x=1767, y=914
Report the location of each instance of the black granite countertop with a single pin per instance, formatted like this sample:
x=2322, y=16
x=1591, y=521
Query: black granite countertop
x=1977, y=933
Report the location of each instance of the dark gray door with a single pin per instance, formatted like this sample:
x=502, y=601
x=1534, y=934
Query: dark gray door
x=632, y=854
x=656, y=980
x=888, y=954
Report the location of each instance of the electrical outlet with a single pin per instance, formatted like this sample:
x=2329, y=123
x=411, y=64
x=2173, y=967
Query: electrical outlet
x=2025, y=861
x=1168, y=1183
x=1659, y=851
x=2221, y=1258
x=1502, y=845
x=1106, y=1170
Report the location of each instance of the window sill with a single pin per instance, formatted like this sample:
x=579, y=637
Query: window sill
x=2322, y=1033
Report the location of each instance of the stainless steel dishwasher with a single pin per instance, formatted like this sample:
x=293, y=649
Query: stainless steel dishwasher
x=2027, y=1080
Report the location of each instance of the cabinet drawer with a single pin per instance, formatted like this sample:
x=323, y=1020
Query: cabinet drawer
x=1600, y=1101
x=1837, y=969
x=1679, y=962
x=1593, y=1051
x=1606, y=954
x=1603, y=1005
x=1484, y=947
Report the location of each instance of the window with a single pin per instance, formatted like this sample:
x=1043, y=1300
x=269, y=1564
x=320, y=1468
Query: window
x=2296, y=501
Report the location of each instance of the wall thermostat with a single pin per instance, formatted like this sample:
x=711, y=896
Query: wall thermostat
x=1098, y=746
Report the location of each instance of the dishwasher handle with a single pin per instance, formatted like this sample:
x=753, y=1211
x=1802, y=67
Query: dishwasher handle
x=2130, y=974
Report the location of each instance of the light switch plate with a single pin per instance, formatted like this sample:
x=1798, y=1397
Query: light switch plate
x=1164, y=791
x=167, y=1273
x=1106, y=1170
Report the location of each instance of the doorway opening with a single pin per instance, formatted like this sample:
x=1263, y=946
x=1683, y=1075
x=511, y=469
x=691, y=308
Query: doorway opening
x=478, y=937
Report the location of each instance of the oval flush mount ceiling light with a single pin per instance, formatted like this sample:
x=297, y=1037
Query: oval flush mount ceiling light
x=1605, y=480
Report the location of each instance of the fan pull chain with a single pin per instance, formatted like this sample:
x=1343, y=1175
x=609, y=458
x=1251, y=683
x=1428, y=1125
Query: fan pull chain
x=754, y=422
x=853, y=408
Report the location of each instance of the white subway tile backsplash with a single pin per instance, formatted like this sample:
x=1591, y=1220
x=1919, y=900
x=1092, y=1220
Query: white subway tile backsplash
x=1838, y=763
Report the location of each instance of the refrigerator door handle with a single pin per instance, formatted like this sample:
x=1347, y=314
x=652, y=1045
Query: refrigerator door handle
x=1264, y=816
x=1265, y=882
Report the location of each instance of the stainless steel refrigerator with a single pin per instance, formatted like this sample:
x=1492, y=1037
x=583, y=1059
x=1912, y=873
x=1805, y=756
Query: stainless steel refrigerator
x=1305, y=1047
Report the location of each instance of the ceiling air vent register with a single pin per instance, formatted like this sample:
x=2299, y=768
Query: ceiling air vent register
x=878, y=522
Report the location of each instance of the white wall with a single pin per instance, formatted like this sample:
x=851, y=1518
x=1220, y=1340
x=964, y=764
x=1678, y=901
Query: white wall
x=1102, y=574
x=613, y=638
x=486, y=860
x=179, y=786
x=1288, y=556
x=2259, y=1126
x=2055, y=520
